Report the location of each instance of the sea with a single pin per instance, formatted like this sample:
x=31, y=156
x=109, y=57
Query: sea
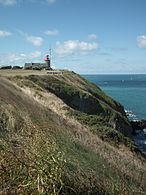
x=130, y=91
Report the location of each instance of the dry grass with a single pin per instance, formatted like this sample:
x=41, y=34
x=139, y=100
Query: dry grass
x=122, y=159
x=38, y=129
x=21, y=72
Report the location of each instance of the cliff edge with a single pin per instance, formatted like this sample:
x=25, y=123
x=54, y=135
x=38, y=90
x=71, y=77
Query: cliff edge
x=61, y=134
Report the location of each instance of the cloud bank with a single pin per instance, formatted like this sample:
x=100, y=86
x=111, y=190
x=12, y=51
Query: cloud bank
x=13, y=2
x=8, y=2
x=19, y=58
x=4, y=33
x=74, y=46
x=36, y=41
x=52, y=32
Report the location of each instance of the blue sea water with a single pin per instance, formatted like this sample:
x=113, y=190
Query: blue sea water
x=130, y=91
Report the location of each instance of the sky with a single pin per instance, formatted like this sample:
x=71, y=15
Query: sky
x=86, y=36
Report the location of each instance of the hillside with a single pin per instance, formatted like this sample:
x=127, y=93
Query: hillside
x=60, y=134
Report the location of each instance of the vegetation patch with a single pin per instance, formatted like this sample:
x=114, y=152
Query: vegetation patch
x=45, y=153
x=100, y=126
x=34, y=167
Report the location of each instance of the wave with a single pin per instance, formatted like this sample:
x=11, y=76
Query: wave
x=131, y=116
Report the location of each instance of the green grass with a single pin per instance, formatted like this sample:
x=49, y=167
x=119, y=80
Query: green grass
x=100, y=126
x=33, y=167
x=93, y=172
x=42, y=153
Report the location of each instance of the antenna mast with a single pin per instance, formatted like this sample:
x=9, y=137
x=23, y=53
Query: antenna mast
x=50, y=53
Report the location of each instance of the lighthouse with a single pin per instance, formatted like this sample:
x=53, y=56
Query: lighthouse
x=40, y=66
x=47, y=61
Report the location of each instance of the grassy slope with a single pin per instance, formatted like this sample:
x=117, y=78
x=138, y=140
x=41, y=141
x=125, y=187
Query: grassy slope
x=84, y=96
x=34, y=129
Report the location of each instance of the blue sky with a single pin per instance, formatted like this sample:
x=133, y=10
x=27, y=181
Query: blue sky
x=87, y=36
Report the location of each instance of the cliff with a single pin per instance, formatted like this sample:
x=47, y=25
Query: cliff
x=85, y=97
x=61, y=134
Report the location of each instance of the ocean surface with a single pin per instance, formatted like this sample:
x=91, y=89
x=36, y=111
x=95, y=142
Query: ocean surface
x=130, y=91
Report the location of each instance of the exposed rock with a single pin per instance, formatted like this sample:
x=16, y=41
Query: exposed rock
x=138, y=125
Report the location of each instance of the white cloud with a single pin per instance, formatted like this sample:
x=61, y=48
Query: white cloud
x=35, y=54
x=52, y=32
x=92, y=37
x=8, y=2
x=141, y=41
x=19, y=58
x=74, y=46
x=13, y=2
x=4, y=33
x=36, y=41
x=51, y=1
